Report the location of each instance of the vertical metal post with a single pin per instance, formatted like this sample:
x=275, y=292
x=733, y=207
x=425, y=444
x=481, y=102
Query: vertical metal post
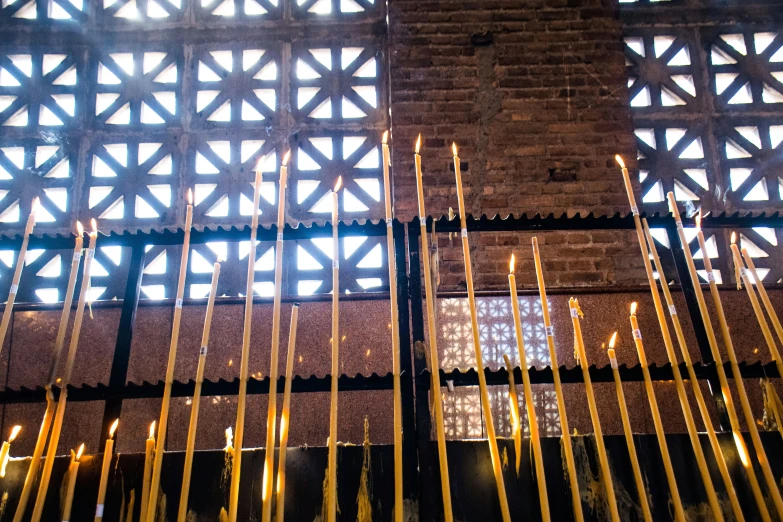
x=122, y=348
x=429, y=483
x=699, y=329
x=410, y=464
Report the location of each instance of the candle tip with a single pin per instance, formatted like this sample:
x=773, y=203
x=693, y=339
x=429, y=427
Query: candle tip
x=619, y=161
x=286, y=157
x=338, y=184
x=698, y=221
x=94, y=226
x=79, y=229
x=613, y=340
x=454, y=148
x=633, y=308
x=418, y=144
x=733, y=238
x=152, y=430
x=385, y=137
x=114, y=427
x=14, y=432
x=190, y=196
x=511, y=264
x=80, y=451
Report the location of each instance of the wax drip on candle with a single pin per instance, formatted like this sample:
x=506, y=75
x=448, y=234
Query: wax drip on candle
x=579, y=315
x=737, y=261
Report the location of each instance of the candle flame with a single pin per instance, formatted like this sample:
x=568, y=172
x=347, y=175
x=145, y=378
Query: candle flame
x=338, y=184
x=619, y=161
x=152, y=430
x=229, y=437
x=113, y=427
x=190, y=196
x=286, y=157
x=613, y=340
x=385, y=137
x=14, y=432
x=79, y=228
x=698, y=220
x=418, y=144
x=94, y=226
x=454, y=149
x=733, y=238
x=511, y=264
x=80, y=451
x=633, y=308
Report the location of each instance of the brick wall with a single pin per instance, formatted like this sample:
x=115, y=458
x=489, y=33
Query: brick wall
x=534, y=94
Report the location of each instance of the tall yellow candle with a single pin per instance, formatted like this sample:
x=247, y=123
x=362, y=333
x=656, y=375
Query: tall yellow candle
x=286, y=415
x=606, y=473
x=535, y=441
x=717, y=450
x=271, y=419
x=43, y=432
x=182, y=513
x=149, y=455
x=637, y=472
x=672, y=356
x=429, y=290
x=397, y=421
x=73, y=471
x=754, y=302
x=9, y=305
x=332, y=485
x=739, y=441
x=5, y=451
x=773, y=316
x=485, y=404
x=679, y=513
x=150, y=508
x=573, y=481
x=761, y=454
x=236, y=469
x=62, y=401
x=108, y=452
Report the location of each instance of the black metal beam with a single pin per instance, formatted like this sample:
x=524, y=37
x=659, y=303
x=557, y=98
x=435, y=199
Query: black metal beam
x=372, y=382
x=699, y=328
x=122, y=348
x=410, y=470
x=428, y=487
